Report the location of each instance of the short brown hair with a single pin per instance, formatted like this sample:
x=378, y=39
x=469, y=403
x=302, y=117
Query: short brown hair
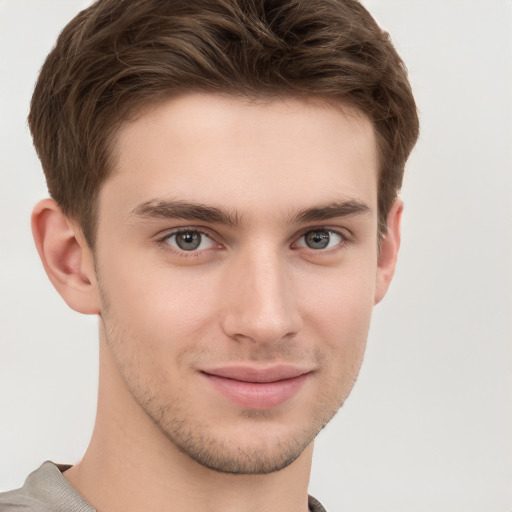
x=119, y=56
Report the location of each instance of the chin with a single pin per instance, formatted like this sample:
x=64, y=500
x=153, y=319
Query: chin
x=257, y=446
x=258, y=458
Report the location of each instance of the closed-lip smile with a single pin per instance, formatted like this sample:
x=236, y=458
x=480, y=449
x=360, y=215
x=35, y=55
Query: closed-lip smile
x=254, y=387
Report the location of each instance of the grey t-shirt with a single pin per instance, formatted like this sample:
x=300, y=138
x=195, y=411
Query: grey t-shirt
x=46, y=490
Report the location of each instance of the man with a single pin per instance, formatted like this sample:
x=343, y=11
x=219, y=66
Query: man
x=224, y=180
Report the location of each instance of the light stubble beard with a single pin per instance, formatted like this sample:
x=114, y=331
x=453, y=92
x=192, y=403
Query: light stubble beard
x=195, y=438
x=225, y=455
x=203, y=444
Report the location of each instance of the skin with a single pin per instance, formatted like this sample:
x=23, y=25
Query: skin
x=253, y=293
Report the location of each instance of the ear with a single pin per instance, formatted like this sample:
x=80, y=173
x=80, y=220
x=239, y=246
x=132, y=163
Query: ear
x=388, y=254
x=66, y=257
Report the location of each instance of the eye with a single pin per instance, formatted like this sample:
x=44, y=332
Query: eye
x=189, y=240
x=319, y=239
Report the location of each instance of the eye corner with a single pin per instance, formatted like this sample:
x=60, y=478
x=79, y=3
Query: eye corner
x=322, y=240
x=187, y=242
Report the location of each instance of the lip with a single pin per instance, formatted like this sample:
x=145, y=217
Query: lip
x=257, y=388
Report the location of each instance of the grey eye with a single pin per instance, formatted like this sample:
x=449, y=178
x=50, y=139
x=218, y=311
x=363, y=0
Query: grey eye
x=317, y=239
x=189, y=241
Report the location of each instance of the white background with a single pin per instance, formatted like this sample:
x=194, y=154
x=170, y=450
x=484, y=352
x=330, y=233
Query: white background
x=429, y=424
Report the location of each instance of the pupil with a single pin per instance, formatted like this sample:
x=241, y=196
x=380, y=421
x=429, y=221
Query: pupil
x=317, y=239
x=188, y=241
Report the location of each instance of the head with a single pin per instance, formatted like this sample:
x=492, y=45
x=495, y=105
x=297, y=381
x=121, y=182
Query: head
x=119, y=57
x=225, y=177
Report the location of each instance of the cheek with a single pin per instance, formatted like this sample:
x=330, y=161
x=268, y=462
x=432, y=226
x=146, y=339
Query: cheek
x=337, y=312
x=342, y=299
x=156, y=304
x=342, y=320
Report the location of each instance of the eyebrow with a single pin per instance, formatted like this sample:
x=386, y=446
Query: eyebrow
x=165, y=209
x=330, y=211
x=159, y=209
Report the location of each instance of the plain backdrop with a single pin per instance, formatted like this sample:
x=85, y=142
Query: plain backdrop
x=428, y=426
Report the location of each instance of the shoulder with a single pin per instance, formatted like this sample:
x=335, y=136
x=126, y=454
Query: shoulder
x=315, y=506
x=44, y=490
x=18, y=501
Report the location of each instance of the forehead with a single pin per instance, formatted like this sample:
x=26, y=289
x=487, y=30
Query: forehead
x=247, y=155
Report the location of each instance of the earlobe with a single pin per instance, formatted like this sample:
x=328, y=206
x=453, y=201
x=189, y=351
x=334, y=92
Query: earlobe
x=66, y=257
x=388, y=254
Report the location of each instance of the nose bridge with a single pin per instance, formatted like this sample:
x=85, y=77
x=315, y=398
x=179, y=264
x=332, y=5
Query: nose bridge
x=261, y=302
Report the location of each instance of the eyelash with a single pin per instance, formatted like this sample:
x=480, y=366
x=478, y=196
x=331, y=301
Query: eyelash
x=345, y=240
x=182, y=252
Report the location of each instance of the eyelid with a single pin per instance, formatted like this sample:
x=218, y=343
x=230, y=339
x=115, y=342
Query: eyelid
x=166, y=233
x=164, y=236
x=345, y=235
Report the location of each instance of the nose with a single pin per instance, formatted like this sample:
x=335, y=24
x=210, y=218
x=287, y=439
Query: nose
x=259, y=301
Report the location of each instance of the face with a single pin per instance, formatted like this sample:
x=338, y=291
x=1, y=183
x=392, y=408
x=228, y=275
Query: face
x=237, y=258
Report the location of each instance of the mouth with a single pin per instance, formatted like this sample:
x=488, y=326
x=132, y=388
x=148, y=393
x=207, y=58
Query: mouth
x=257, y=388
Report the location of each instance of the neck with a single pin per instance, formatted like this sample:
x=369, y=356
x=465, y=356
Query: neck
x=131, y=464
